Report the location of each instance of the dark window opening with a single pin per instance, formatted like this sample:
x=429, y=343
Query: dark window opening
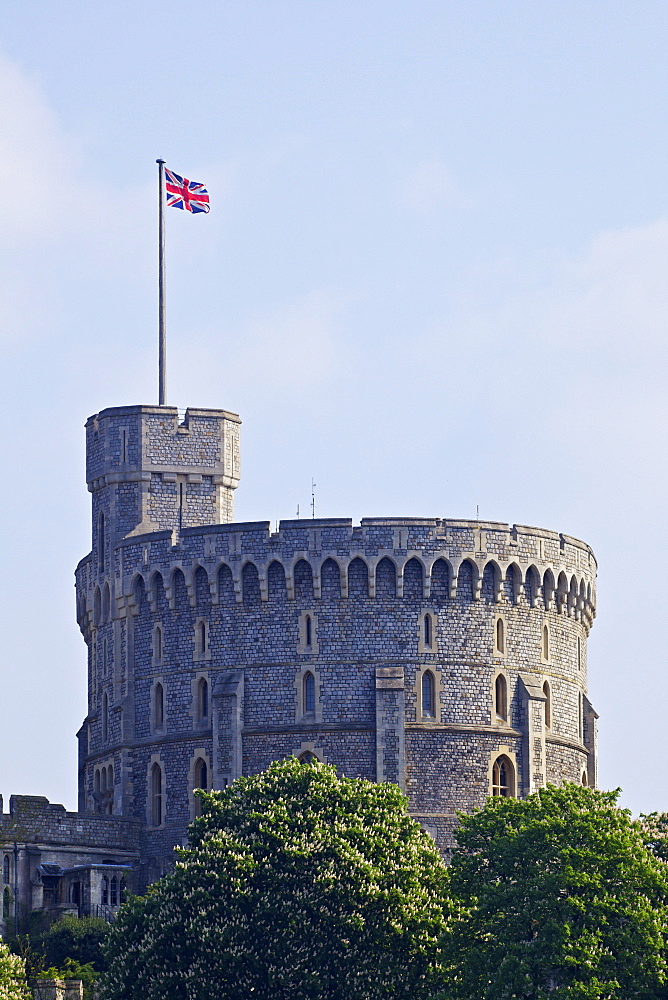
x=428, y=694
x=309, y=693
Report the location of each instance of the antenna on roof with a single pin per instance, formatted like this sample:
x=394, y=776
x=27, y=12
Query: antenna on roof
x=312, y=497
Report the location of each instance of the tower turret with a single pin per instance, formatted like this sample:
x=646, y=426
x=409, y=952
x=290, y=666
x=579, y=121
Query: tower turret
x=148, y=471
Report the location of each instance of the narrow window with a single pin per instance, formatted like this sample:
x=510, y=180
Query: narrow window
x=114, y=891
x=502, y=777
x=6, y=901
x=579, y=654
x=159, y=706
x=123, y=889
x=580, y=717
x=548, y=705
x=309, y=693
x=201, y=781
x=105, y=717
x=309, y=631
x=103, y=787
x=428, y=694
x=427, y=631
x=5, y=869
x=546, y=643
x=158, y=644
x=201, y=638
x=584, y=779
x=203, y=699
x=104, y=891
x=97, y=781
x=501, y=698
x=500, y=636
x=125, y=445
x=156, y=795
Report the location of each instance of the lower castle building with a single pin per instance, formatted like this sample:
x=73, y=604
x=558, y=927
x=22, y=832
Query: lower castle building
x=447, y=656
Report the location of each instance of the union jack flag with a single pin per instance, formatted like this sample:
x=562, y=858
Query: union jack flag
x=182, y=193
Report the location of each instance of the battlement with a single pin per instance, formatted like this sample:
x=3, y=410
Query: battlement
x=33, y=819
x=149, y=471
x=124, y=441
x=510, y=562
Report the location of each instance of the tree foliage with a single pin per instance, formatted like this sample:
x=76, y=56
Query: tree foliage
x=559, y=897
x=77, y=938
x=297, y=885
x=12, y=976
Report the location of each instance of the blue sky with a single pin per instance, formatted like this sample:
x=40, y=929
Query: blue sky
x=434, y=277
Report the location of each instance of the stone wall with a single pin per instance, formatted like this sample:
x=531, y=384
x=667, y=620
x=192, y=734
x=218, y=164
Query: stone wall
x=365, y=591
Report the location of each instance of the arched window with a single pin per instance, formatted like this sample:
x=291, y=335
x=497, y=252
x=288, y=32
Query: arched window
x=203, y=699
x=96, y=784
x=156, y=795
x=503, y=777
x=428, y=700
x=584, y=779
x=546, y=643
x=103, y=784
x=159, y=705
x=106, y=603
x=157, y=644
x=309, y=692
x=5, y=869
x=110, y=789
x=6, y=901
x=501, y=698
x=201, y=781
x=309, y=631
x=201, y=774
x=104, y=891
x=105, y=717
x=114, y=891
x=97, y=607
x=500, y=637
x=123, y=889
x=427, y=631
x=548, y=705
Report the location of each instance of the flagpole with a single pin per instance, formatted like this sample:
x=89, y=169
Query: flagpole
x=162, y=312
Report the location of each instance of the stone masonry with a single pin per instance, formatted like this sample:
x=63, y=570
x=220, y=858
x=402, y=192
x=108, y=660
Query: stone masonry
x=447, y=656
x=216, y=647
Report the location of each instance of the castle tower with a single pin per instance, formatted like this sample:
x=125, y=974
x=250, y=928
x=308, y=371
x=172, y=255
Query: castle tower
x=149, y=472
x=448, y=656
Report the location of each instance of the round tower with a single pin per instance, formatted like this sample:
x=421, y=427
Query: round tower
x=447, y=656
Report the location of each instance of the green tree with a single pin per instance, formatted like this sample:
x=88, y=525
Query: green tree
x=12, y=976
x=655, y=826
x=297, y=885
x=559, y=897
x=76, y=938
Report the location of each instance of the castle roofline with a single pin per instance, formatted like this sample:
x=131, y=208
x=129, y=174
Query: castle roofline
x=163, y=411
